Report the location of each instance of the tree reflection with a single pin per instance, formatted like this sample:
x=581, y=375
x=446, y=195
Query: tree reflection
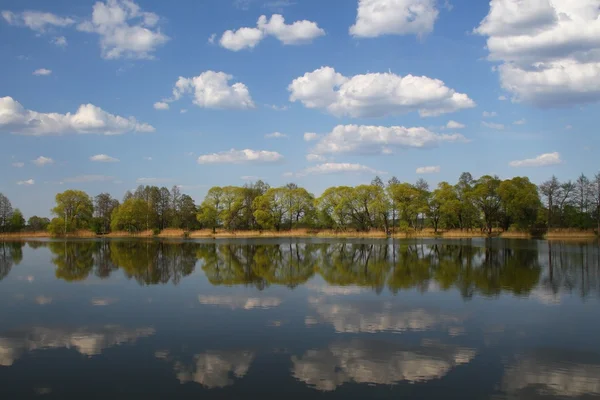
x=488, y=270
x=11, y=253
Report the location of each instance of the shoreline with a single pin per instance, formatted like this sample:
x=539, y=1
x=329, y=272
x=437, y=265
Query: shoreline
x=302, y=233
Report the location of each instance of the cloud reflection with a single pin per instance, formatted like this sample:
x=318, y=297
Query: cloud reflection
x=240, y=302
x=214, y=369
x=375, y=362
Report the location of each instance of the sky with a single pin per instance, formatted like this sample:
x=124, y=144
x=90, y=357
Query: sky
x=103, y=96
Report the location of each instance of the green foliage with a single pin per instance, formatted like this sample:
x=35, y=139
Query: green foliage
x=131, y=216
x=17, y=221
x=36, y=223
x=75, y=208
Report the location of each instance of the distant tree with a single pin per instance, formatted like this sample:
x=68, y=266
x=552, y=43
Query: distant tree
x=74, y=210
x=6, y=212
x=486, y=198
x=596, y=200
x=17, y=222
x=36, y=223
x=130, y=216
x=104, y=205
x=550, y=190
x=520, y=201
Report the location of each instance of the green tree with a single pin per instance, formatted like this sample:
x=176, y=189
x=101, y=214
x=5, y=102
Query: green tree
x=17, y=221
x=130, y=216
x=36, y=223
x=6, y=211
x=550, y=190
x=211, y=208
x=520, y=202
x=272, y=208
x=486, y=198
x=104, y=205
x=74, y=210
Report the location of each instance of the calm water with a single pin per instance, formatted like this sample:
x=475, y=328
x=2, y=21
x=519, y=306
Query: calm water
x=470, y=319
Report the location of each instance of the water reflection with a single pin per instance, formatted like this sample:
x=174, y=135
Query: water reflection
x=487, y=270
x=548, y=372
x=87, y=341
x=377, y=362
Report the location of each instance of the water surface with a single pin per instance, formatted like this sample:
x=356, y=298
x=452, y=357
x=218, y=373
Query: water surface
x=468, y=319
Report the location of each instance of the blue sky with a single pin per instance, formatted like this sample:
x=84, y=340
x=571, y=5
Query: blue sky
x=376, y=83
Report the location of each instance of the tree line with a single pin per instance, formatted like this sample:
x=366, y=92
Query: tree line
x=486, y=204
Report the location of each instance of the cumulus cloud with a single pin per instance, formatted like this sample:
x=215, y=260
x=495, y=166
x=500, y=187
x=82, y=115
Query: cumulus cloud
x=454, y=125
x=429, y=170
x=42, y=72
x=539, y=161
x=103, y=158
x=338, y=168
x=364, y=139
x=240, y=157
x=315, y=158
x=276, y=135
x=88, y=119
x=299, y=32
x=493, y=125
x=394, y=17
x=26, y=183
x=375, y=94
x=36, y=20
x=310, y=136
x=161, y=105
x=211, y=89
x=18, y=164
x=41, y=161
x=125, y=30
x=549, y=50
x=59, y=41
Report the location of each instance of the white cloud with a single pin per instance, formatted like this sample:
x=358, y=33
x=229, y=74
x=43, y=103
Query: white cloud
x=455, y=125
x=375, y=94
x=277, y=108
x=549, y=50
x=88, y=119
x=520, y=122
x=161, y=105
x=59, y=41
x=103, y=158
x=315, y=158
x=152, y=181
x=18, y=164
x=211, y=89
x=490, y=114
x=27, y=182
x=429, y=170
x=299, y=32
x=240, y=156
x=363, y=139
x=276, y=135
x=310, y=136
x=88, y=179
x=41, y=161
x=493, y=125
x=539, y=161
x=42, y=72
x=338, y=168
x=502, y=98
x=212, y=38
x=183, y=111
x=125, y=30
x=36, y=20
x=394, y=17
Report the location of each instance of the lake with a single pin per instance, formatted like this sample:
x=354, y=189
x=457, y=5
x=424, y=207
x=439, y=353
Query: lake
x=299, y=318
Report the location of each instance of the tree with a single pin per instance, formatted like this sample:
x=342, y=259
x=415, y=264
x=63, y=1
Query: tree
x=583, y=194
x=130, y=216
x=271, y=208
x=74, y=210
x=520, y=202
x=6, y=211
x=104, y=205
x=550, y=190
x=36, y=223
x=187, y=213
x=466, y=211
x=408, y=201
x=486, y=198
x=17, y=222
x=210, y=210
x=596, y=200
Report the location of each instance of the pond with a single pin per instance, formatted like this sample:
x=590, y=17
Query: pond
x=299, y=318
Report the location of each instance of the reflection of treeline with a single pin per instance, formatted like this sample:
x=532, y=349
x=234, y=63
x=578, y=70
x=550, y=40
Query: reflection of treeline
x=423, y=266
x=11, y=253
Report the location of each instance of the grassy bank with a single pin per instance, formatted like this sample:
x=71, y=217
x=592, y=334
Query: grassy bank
x=308, y=233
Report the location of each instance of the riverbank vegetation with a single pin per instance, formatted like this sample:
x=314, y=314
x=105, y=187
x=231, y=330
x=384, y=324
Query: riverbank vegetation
x=470, y=207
